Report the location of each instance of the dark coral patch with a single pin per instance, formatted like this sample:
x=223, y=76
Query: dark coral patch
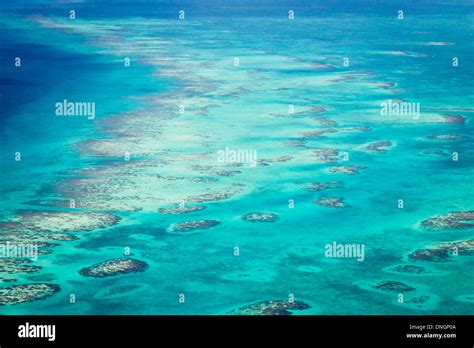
x=59, y=221
x=17, y=265
x=228, y=172
x=443, y=251
x=452, y=220
x=280, y=159
x=320, y=186
x=361, y=129
x=22, y=238
x=435, y=152
x=270, y=308
x=326, y=155
x=390, y=285
x=203, y=179
x=412, y=269
x=60, y=236
x=325, y=121
x=453, y=119
x=418, y=299
x=189, y=226
x=114, y=267
x=296, y=143
x=430, y=255
x=181, y=210
x=260, y=217
x=210, y=197
x=16, y=294
x=445, y=137
x=379, y=146
x=332, y=202
x=320, y=133
x=346, y=169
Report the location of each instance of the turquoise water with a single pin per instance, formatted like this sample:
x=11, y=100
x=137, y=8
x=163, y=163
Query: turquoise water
x=173, y=155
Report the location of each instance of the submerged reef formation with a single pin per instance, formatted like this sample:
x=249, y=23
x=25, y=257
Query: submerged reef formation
x=409, y=269
x=452, y=220
x=453, y=119
x=417, y=300
x=296, y=143
x=228, y=172
x=443, y=251
x=17, y=265
x=333, y=202
x=210, y=197
x=317, y=134
x=260, y=217
x=270, y=308
x=189, y=226
x=181, y=210
x=16, y=294
x=391, y=285
x=346, y=169
x=51, y=221
x=281, y=159
x=326, y=155
x=325, y=121
x=379, y=146
x=445, y=137
x=114, y=267
x=435, y=152
x=320, y=186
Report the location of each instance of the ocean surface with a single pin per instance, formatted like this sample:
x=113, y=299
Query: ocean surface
x=141, y=183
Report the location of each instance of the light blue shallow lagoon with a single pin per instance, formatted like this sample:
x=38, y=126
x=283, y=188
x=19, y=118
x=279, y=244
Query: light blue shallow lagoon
x=280, y=158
